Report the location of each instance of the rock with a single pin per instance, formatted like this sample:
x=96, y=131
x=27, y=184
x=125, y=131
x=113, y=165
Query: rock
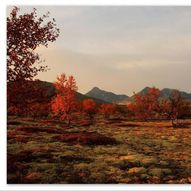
x=137, y=170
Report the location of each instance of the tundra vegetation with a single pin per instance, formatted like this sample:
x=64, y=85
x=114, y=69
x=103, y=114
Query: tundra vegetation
x=57, y=138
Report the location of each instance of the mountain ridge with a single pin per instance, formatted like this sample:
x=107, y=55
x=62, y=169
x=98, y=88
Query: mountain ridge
x=111, y=97
x=107, y=96
x=102, y=96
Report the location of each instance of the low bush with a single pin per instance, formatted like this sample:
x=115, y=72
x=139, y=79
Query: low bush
x=14, y=123
x=34, y=129
x=87, y=138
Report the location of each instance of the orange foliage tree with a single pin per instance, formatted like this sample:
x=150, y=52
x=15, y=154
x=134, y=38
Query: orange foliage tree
x=64, y=104
x=107, y=110
x=146, y=106
x=89, y=107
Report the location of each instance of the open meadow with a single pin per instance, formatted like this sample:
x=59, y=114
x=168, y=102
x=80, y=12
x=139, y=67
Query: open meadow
x=110, y=151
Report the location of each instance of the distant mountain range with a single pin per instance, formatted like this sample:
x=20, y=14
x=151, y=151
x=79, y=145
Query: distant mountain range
x=120, y=99
x=166, y=92
x=106, y=96
x=51, y=92
x=101, y=96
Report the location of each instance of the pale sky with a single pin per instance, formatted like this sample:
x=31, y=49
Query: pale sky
x=120, y=48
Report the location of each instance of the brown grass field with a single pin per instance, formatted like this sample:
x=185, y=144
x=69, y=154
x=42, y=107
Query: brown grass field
x=128, y=152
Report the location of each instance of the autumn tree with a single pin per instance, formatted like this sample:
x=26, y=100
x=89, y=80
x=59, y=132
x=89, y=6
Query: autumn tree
x=89, y=108
x=177, y=107
x=25, y=33
x=145, y=106
x=164, y=108
x=64, y=103
x=107, y=110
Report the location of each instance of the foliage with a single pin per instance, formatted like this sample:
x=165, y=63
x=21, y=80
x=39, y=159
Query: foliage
x=177, y=107
x=86, y=155
x=39, y=110
x=90, y=108
x=24, y=34
x=107, y=110
x=88, y=138
x=64, y=104
x=147, y=105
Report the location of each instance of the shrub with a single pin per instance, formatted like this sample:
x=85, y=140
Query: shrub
x=87, y=138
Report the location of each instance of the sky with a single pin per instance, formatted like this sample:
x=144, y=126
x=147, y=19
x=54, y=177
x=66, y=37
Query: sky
x=121, y=49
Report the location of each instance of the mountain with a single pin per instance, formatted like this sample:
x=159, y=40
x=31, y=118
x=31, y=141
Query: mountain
x=106, y=95
x=144, y=91
x=102, y=96
x=166, y=92
x=50, y=91
x=79, y=96
x=124, y=99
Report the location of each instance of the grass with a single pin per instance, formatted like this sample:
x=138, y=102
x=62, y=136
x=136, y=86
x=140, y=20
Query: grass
x=44, y=151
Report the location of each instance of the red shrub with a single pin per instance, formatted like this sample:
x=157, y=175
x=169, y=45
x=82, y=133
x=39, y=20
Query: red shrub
x=87, y=138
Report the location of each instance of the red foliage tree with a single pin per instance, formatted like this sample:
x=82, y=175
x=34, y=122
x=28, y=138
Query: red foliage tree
x=64, y=103
x=90, y=108
x=24, y=34
x=146, y=106
x=164, y=108
x=178, y=107
x=107, y=110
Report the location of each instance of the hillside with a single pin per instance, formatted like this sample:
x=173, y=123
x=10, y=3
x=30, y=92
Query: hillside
x=106, y=95
x=124, y=99
x=166, y=92
x=79, y=96
x=50, y=91
x=101, y=96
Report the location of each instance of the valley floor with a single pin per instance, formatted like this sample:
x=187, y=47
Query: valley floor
x=44, y=151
